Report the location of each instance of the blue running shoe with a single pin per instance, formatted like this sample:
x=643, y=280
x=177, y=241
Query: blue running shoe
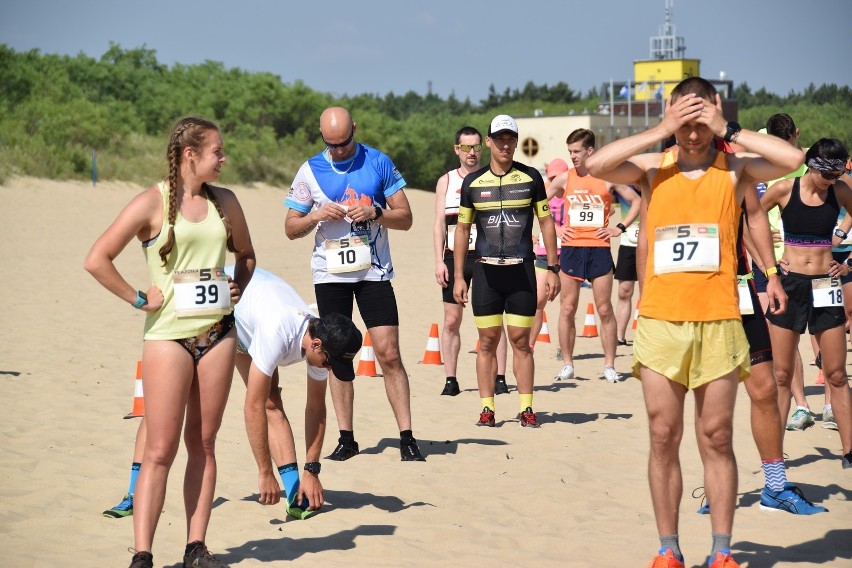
x=789, y=499
x=123, y=509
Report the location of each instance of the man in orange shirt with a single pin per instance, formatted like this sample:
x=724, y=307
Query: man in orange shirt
x=689, y=335
x=585, y=253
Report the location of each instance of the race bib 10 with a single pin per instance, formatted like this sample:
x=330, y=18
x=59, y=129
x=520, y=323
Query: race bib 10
x=348, y=254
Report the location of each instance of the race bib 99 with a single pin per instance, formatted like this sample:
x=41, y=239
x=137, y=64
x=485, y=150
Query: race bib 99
x=586, y=214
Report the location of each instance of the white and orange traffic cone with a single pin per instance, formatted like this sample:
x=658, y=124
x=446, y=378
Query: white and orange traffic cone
x=636, y=314
x=367, y=360
x=544, y=332
x=590, y=327
x=138, y=398
x=432, y=356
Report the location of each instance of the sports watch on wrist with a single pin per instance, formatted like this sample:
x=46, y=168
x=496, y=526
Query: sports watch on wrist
x=622, y=227
x=141, y=300
x=732, y=129
x=379, y=212
x=838, y=232
x=847, y=263
x=313, y=467
x=554, y=268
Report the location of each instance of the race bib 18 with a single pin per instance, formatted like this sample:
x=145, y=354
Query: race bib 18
x=827, y=292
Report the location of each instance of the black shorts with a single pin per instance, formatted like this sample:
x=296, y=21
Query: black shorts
x=801, y=312
x=376, y=301
x=625, y=267
x=585, y=263
x=757, y=331
x=447, y=293
x=840, y=257
x=498, y=289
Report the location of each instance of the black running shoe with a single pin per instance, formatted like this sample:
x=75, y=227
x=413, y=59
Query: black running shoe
x=451, y=387
x=622, y=342
x=345, y=449
x=409, y=451
x=142, y=560
x=199, y=557
x=500, y=386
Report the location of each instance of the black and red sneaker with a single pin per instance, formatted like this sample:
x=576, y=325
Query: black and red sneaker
x=486, y=417
x=528, y=419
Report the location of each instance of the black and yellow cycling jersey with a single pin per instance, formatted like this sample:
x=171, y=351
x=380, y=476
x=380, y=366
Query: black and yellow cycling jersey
x=503, y=207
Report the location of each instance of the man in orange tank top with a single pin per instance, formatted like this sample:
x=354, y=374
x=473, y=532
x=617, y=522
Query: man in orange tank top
x=585, y=253
x=689, y=335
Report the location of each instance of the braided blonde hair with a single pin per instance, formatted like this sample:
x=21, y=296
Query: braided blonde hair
x=188, y=132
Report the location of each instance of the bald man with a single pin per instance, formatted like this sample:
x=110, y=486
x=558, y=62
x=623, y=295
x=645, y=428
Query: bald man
x=353, y=195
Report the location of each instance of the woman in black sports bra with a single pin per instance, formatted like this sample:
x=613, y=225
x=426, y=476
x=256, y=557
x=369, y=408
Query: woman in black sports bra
x=809, y=208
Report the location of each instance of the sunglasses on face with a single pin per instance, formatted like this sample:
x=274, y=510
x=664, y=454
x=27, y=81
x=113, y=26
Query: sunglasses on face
x=468, y=147
x=830, y=176
x=346, y=142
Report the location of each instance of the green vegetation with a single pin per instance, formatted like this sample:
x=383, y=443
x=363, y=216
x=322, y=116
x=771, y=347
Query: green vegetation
x=56, y=110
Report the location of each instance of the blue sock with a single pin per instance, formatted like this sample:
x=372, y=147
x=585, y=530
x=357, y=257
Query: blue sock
x=134, y=475
x=290, y=479
x=774, y=474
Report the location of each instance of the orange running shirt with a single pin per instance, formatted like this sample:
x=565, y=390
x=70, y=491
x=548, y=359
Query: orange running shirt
x=705, y=215
x=588, y=204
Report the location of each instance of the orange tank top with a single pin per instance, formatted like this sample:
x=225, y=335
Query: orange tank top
x=588, y=204
x=689, y=221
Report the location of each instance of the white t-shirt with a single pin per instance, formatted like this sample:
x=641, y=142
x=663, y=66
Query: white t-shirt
x=271, y=320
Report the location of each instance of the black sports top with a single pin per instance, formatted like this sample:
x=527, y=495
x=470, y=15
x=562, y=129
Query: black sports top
x=503, y=207
x=809, y=225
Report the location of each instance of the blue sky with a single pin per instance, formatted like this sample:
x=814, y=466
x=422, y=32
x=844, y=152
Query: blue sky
x=377, y=46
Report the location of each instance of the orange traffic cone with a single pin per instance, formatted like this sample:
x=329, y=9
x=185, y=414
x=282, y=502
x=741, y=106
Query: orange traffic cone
x=636, y=314
x=544, y=332
x=433, y=348
x=475, y=349
x=367, y=360
x=138, y=400
x=590, y=328
x=820, y=380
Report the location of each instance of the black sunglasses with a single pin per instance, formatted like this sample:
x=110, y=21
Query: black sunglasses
x=832, y=177
x=346, y=142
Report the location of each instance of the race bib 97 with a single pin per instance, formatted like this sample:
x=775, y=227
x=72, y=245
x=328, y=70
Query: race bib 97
x=201, y=292
x=686, y=248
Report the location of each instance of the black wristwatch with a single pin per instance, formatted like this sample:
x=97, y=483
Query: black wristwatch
x=554, y=268
x=379, y=212
x=313, y=467
x=847, y=263
x=732, y=129
x=622, y=227
x=838, y=232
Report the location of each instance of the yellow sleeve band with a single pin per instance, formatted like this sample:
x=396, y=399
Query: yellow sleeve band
x=542, y=208
x=465, y=215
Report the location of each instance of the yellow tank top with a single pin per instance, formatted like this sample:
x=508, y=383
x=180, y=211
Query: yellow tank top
x=197, y=245
x=676, y=201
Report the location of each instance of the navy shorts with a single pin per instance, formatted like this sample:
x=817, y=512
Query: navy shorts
x=447, y=293
x=376, y=301
x=585, y=263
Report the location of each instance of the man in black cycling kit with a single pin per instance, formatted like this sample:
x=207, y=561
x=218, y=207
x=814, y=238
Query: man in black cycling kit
x=502, y=199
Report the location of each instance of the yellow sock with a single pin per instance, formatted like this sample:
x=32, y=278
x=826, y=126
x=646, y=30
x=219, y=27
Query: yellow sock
x=487, y=403
x=526, y=401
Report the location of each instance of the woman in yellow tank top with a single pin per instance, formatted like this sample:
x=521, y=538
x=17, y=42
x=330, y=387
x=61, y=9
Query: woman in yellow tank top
x=184, y=225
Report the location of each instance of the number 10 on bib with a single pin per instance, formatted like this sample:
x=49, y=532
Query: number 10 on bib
x=686, y=248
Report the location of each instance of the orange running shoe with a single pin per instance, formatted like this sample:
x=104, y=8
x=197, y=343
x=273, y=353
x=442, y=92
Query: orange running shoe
x=666, y=559
x=723, y=560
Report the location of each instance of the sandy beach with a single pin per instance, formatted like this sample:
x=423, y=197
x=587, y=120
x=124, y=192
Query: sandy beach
x=573, y=493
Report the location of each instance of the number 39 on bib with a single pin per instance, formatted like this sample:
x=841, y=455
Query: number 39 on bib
x=201, y=292
x=686, y=248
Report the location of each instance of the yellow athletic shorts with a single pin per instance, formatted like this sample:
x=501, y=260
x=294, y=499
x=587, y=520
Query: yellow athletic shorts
x=691, y=353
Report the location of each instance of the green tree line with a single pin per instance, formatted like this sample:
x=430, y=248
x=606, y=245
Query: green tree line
x=56, y=110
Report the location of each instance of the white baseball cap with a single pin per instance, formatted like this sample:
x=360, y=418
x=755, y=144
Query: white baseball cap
x=503, y=123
